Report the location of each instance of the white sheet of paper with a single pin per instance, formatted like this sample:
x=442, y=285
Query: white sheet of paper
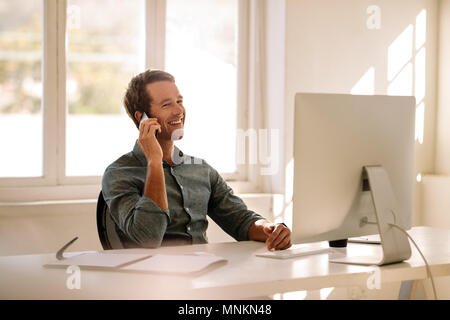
x=174, y=263
x=99, y=259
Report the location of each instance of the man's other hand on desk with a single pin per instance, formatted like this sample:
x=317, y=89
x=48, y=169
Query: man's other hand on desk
x=276, y=236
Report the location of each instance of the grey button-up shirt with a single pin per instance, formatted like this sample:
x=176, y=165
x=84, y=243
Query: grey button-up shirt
x=194, y=190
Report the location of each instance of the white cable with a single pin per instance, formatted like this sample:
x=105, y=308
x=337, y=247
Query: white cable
x=423, y=257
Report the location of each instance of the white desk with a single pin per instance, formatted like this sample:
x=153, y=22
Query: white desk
x=245, y=275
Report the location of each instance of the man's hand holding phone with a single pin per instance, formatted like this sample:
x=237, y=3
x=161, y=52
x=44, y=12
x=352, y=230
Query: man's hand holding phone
x=147, y=139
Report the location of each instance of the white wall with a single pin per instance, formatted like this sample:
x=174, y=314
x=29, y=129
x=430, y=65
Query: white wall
x=436, y=188
x=330, y=49
x=443, y=114
x=436, y=200
x=44, y=227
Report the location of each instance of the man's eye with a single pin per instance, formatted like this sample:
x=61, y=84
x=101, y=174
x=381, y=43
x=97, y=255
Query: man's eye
x=180, y=101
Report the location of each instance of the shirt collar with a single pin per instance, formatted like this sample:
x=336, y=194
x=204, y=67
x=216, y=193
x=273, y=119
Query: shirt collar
x=178, y=157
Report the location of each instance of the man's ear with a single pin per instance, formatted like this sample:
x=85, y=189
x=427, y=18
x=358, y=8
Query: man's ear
x=138, y=115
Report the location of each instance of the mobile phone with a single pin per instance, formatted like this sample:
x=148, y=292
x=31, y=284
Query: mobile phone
x=144, y=116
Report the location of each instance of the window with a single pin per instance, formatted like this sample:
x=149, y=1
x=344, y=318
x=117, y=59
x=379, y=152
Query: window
x=21, y=120
x=201, y=52
x=65, y=65
x=103, y=54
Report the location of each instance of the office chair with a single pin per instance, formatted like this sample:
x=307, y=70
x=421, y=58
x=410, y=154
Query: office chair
x=106, y=227
x=112, y=237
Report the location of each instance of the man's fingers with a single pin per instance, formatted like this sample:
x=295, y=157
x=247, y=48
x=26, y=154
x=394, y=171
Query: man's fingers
x=285, y=246
x=148, y=122
x=268, y=230
x=148, y=127
x=153, y=128
x=277, y=231
x=141, y=130
x=274, y=235
x=288, y=245
x=281, y=236
x=284, y=243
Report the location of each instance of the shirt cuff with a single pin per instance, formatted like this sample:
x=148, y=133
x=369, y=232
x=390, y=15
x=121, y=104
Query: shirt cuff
x=148, y=205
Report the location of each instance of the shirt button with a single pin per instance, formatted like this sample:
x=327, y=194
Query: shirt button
x=189, y=228
x=181, y=187
x=187, y=210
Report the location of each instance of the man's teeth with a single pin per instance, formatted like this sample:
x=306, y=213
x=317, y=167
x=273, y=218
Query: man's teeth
x=175, y=122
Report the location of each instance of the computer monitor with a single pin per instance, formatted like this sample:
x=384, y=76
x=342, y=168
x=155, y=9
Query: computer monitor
x=354, y=153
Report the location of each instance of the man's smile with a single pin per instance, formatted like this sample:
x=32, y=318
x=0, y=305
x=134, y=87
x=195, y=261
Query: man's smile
x=176, y=122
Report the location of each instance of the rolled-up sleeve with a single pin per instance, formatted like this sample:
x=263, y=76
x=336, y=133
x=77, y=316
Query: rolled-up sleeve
x=228, y=210
x=138, y=216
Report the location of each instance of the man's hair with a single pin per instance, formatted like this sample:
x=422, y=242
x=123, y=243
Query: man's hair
x=136, y=97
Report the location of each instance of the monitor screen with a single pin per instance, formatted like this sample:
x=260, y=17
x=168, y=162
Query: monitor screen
x=335, y=136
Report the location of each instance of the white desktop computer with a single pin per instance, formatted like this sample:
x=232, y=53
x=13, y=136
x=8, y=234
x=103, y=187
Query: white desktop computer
x=354, y=171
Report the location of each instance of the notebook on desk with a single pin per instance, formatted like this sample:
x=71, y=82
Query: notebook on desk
x=98, y=260
x=179, y=264
x=157, y=263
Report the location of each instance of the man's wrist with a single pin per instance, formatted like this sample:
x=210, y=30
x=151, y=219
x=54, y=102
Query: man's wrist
x=256, y=230
x=154, y=163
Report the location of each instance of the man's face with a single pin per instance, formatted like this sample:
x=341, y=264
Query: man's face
x=167, y=107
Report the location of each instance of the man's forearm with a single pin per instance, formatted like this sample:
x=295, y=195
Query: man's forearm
x=155, y=186
x=256, y=230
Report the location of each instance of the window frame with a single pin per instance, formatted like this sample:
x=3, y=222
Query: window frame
x=54, y=105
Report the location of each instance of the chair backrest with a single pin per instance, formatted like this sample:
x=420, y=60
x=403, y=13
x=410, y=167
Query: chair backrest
x=106, y=226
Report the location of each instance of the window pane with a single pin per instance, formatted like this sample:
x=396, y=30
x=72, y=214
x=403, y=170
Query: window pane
x=201, y=53
x=21, y=135
x=106, y=48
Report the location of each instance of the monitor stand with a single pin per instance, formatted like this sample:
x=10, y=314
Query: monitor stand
x=394, y=243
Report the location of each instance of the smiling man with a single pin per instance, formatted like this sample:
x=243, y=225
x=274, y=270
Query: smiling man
x=157, y=195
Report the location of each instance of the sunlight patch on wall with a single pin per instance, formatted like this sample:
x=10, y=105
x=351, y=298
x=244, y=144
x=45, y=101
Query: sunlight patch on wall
x=365, y=85
x=325, y=292
x=400, y=52
x=420, y=120
x=289, y=178
x=421, y=29
x=403, y=83
x=420, y=75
